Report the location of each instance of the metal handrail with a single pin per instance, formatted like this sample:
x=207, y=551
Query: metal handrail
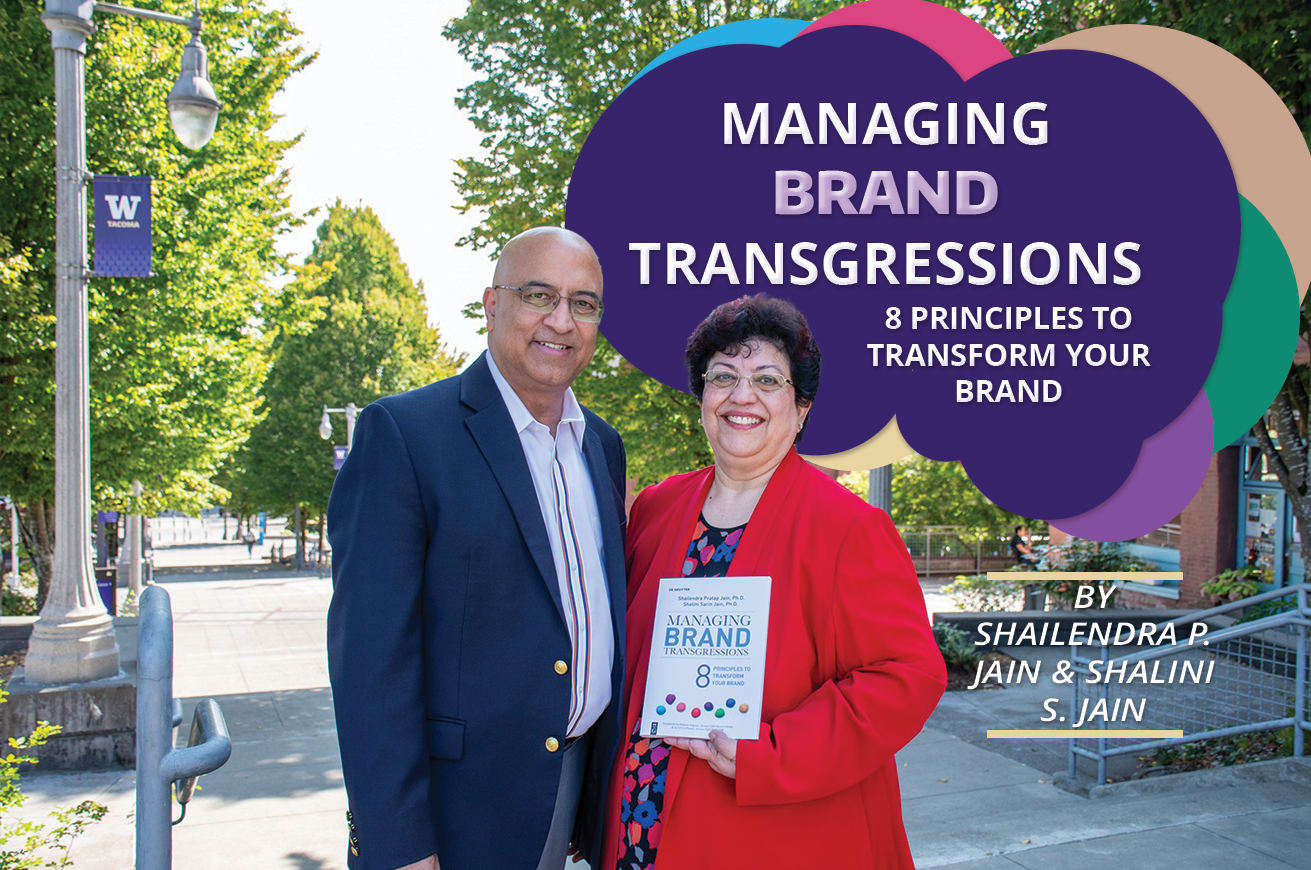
x=1299, y=618
x=159, y=764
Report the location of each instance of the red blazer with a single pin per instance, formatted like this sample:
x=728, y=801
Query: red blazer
x=851, y=674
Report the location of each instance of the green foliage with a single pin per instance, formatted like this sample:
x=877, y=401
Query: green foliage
x=661, y=427
x=1234, y=583
x=1076, y=554
x=856, y=482
x=1222, y=751
x=176, y=359
x=549, y=70
x=1268, y=608
x=1270, y=36
x=958, y=649
x=930, y=493
x=978, y=593
x=29, y=844
x=361, y=333
x=16, y=603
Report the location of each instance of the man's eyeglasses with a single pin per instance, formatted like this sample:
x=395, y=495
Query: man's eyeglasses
x=761, y=382
x=586, y=309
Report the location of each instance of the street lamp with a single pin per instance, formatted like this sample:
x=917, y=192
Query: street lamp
x=325, y=424
x=73, y=640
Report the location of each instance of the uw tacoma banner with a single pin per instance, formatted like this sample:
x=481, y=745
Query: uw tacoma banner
x=122, y=226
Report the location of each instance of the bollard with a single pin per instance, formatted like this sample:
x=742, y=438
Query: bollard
x=159, y=765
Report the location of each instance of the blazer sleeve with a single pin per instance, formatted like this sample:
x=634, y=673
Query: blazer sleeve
x=379, y=535
x=890, y=677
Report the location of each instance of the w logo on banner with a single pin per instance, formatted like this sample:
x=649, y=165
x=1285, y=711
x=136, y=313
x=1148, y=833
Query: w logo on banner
x=122, y=208
x=122, y=212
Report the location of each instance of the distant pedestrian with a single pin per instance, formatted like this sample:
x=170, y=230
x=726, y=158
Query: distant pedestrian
x=1022, y=548
x=249, y=540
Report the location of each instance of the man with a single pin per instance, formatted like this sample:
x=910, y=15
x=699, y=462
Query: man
x=1021, y=547
x=475, y=637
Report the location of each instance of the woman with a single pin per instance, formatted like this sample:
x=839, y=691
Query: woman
x=851, y=671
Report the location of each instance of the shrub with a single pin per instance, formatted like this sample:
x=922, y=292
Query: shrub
x=36, y=846
x=979, y=593
x=1076, y=554
x=957, y=647
x=1234, y=583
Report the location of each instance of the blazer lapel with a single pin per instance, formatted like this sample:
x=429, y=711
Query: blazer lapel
x=493, y=430
x=611, y=538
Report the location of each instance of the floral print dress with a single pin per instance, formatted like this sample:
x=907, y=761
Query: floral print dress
x=641, y=805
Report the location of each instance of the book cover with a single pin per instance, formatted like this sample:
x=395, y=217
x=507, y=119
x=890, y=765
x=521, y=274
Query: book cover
x=707, y=668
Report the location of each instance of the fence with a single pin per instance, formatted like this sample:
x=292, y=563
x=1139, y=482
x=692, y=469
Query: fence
x=952, y=550
x=1255, y=679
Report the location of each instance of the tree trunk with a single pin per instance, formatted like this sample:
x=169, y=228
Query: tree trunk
x=36, y=523
x=299, y=563
x=1291, y=460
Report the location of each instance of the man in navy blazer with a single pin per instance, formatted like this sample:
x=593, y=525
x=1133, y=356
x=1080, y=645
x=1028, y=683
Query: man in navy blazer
x=475, y=636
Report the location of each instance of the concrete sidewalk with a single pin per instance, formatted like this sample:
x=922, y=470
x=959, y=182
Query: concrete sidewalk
x=253, y=637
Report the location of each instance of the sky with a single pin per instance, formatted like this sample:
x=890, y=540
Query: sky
x=380, y=128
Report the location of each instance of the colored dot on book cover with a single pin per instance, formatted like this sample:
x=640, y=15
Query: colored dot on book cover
x=743, y=708
x=719, y=714
x=696, y=711
x=669, y=699
x=660, y=710
x=681, y=707
x=730, y=703
x=710, y=705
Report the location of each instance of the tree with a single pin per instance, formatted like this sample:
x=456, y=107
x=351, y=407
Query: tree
x=550, y=70
x=177, y=358
x=929, y=493
x=367, y=337
x=1271, y=38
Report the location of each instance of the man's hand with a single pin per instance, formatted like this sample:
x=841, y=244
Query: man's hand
x=429, y=863
x=719, y=751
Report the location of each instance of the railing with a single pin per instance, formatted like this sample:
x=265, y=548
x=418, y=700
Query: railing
x=1250, y=676
x=957, y=549
x=159, y=765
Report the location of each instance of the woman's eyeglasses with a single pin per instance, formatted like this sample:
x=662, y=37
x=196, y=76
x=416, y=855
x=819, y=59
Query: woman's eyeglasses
x=761, y=382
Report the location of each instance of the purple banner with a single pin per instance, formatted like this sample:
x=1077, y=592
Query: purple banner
x=122, y=226
x=339, y=457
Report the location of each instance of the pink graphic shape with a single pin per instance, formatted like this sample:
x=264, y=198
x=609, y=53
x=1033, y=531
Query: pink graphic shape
x=963, y=43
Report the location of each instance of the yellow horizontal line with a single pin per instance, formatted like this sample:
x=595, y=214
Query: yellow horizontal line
x=1048, y=734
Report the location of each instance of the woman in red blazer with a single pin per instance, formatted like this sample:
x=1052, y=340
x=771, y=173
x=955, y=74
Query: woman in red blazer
x=851, y=671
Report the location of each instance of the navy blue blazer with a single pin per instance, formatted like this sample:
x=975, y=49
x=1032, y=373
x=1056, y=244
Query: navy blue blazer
x=445, y=627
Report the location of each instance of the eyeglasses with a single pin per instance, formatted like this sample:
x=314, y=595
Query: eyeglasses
x=762, y=382
x=585, y=309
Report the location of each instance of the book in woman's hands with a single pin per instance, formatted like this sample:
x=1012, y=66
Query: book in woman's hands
x=707, y=669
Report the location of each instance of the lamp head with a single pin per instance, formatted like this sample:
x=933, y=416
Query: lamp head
x=325, y=425
x=192, y=104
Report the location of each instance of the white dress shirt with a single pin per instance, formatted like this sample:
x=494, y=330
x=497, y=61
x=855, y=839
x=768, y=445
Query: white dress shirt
x=573, y=524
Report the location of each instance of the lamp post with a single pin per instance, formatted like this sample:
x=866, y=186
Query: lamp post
x=73, y=640
x=325, y=424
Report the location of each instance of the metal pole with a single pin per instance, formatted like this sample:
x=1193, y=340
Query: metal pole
x=15, y=581
x=928, y=554
x=351, y=413
x=73, y=640
x=1300, y=707
x=880, y=488
x=159, y=765
x=134, y=526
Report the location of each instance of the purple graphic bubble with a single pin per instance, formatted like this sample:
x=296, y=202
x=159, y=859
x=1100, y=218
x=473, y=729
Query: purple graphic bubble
x=656, y=170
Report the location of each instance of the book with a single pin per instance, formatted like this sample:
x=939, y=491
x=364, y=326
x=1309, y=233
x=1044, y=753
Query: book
x=707, y=668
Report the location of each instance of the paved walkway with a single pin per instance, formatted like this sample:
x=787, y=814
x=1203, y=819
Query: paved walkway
x=252, y=637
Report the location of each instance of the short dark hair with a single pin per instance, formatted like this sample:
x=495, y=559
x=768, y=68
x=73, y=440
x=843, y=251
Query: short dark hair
x=1017, y=529
x=734, y=325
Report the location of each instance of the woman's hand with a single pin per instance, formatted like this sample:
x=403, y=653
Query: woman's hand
x=719, y=751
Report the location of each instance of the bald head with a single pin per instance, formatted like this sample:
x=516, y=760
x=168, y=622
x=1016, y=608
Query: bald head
x=539, y=242
x=539, y=347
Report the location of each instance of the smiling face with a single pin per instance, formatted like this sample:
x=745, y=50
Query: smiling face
x=751, y=431
x=541, y=352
